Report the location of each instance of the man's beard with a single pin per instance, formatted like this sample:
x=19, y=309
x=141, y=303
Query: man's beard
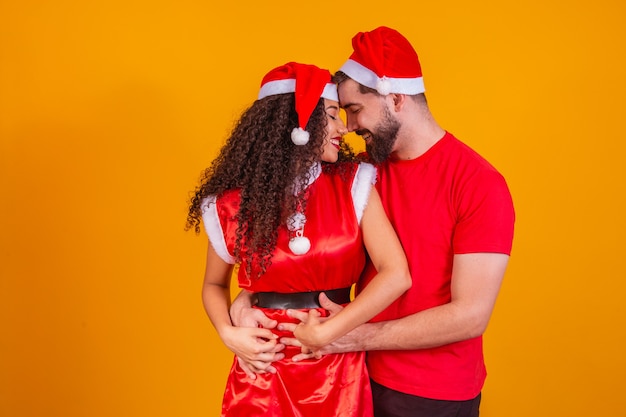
x=381, y=143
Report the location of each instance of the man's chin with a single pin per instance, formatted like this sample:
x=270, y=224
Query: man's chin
x=374, y=157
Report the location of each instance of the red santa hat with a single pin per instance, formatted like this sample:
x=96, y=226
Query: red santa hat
x=308, y=82
x=385, y=60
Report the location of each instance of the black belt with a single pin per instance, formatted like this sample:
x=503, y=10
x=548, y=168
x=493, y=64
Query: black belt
x=309, y=299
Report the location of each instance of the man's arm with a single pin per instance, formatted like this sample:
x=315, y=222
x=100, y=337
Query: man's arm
x=476, y=280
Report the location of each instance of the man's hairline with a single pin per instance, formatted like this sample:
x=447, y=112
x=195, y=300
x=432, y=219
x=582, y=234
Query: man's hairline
x=363, y=89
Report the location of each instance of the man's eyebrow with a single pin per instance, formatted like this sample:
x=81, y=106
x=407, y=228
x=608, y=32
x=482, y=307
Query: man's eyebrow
x=348, y=105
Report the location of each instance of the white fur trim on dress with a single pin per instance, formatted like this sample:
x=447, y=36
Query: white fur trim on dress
x=364, y=179
x=384, y=85
x=213, y=229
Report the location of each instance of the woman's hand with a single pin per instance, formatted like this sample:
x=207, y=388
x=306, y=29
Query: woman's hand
x=255, y=348
x=243, y=315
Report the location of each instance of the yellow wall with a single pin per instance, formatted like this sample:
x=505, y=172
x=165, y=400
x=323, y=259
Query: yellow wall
x=110, y=109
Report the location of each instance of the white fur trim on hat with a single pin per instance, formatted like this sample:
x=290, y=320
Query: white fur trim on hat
x=277, y=87
x=213, y=229
x=330, y=92
x=289, y=86
x=387, y=85
x=364, y=179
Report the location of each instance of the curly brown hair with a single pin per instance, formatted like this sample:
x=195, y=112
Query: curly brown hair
x=261, y=161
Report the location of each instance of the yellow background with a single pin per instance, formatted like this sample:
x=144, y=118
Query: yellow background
x=110, y=109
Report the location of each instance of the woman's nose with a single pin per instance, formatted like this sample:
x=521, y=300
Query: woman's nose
x=351, y=124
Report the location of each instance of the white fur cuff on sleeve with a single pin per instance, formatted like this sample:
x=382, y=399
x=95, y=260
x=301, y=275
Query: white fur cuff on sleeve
x=364, y=179
x=213, y=229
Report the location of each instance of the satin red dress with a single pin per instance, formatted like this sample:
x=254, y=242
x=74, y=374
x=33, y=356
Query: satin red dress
x=334, y=385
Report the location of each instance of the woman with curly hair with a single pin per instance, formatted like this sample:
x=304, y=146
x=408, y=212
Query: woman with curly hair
x=288, y=203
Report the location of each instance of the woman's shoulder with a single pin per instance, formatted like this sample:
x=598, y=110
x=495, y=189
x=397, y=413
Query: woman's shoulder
x=227, y=198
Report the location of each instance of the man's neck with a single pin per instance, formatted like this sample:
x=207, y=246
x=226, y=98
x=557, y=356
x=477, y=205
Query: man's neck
x=415, y=138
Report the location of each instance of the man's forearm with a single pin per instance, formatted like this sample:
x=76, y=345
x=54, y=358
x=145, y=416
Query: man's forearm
x=475, y=284
x=354, y=341
x=427, y=329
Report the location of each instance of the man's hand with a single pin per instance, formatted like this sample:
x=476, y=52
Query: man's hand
x=338, y=346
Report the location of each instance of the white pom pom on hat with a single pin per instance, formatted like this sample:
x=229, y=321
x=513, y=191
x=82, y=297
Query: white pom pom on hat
x=308, y=82
x=383, y=86
x=299, y=136
x=385, y=60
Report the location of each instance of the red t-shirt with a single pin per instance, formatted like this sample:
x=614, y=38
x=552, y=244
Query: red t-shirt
x=448, y=201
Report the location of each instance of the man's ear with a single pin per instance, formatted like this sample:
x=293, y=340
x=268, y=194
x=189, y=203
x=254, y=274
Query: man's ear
x=398, y=101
